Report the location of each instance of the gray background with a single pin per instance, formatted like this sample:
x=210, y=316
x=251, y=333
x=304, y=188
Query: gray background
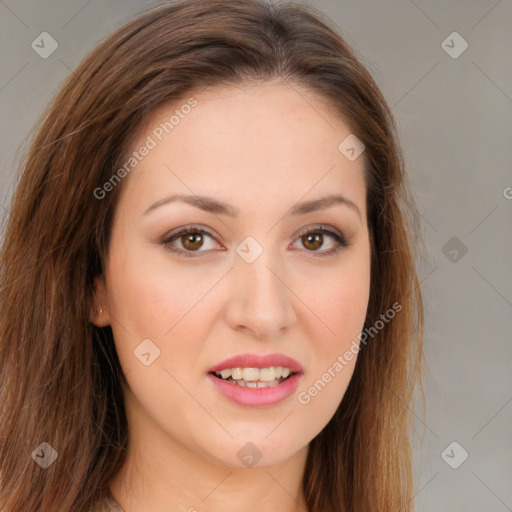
x=455, y=117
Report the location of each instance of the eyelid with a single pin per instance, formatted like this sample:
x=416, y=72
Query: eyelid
x=320, y=228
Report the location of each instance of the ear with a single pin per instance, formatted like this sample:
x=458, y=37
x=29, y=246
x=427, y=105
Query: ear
x=100, y=315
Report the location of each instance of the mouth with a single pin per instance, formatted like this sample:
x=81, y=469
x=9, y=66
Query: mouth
x=255, y=380
x=267, y=377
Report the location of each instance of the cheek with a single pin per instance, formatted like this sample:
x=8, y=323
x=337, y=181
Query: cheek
x=159, y=302
x=339, y=308
x=160, y=311
x=338, y=303
x=344, y=309
x=150, y=294
x=342, y=312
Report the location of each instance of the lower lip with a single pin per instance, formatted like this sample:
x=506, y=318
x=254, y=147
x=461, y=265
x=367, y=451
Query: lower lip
x=256, y=397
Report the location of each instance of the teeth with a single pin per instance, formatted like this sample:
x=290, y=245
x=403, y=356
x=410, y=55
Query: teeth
x=257, y=384
x=226, y=373
x=253, y=377
x=267, y=374
x=251, y=374
x=236, y=373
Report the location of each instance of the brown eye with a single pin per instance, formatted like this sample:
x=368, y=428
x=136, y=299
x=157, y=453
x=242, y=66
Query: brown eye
x=192, y=241
x=189, y=242
x=313, y=241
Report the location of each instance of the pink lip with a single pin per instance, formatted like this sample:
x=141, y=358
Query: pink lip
x=257, y=397
x=256, y=361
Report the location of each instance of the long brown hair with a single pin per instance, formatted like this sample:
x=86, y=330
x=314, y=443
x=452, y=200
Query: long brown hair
x=60, y=376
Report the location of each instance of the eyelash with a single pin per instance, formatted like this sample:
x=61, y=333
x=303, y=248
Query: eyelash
x=340, y=241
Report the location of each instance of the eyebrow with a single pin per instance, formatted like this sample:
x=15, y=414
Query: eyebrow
x=208, y=204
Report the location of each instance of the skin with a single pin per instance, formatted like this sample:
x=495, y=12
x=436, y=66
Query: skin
x=260, y=148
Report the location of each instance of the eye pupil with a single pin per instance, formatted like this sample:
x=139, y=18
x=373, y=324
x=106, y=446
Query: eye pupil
x=312, y=238
x=196, y=239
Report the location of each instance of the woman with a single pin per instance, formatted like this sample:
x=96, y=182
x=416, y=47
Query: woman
x=209, y=298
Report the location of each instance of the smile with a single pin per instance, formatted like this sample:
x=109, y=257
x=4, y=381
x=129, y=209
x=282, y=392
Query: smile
x=255, y=377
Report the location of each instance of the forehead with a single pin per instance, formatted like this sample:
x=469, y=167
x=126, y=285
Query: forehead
x=251, y=141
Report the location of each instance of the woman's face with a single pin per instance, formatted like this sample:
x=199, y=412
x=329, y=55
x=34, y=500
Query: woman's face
x=247, y=282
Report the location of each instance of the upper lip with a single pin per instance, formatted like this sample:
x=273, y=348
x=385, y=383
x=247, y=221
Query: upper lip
x=258, y=361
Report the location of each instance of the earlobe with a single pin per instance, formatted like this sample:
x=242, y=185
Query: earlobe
x=99, y=315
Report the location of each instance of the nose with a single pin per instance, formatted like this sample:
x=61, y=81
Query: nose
x=260, y=300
